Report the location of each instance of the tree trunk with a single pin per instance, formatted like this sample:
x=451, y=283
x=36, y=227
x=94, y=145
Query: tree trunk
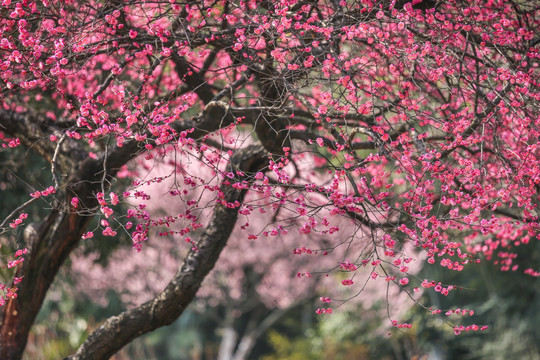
x=228, y=342
x=57, y=236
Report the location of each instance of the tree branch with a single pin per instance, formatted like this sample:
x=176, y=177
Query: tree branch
x=167, y=306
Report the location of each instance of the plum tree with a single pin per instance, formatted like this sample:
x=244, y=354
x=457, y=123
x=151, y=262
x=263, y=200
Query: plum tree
x=422, y=118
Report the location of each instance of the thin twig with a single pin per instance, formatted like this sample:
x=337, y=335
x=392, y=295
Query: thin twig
x=104, y=178
x=14, y=212
x=53, y=161
x=230, y=89
x=108, y=81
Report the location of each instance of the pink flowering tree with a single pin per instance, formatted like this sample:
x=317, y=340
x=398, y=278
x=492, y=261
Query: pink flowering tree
x=265, y=270
x=423, y=115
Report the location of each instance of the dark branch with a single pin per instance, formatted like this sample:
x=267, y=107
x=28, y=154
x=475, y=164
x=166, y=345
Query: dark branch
x=167, y=306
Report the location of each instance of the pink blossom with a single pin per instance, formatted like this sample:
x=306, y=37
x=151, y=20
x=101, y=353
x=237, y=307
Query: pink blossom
x=107, y=211
x=114, y=198
x=403, y=281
